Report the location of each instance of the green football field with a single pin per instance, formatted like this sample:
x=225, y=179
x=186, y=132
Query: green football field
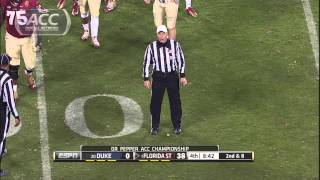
x=252, y=87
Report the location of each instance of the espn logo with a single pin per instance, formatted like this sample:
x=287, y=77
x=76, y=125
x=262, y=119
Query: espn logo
x=65, y=156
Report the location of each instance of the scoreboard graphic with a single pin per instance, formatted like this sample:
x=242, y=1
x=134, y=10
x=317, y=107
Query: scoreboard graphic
x=152, y=154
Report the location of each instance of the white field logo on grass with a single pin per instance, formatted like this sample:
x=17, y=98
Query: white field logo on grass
x=55, y=22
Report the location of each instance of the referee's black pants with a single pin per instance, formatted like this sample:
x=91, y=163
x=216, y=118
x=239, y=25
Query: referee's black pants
x=4, y=126
x=160, y=83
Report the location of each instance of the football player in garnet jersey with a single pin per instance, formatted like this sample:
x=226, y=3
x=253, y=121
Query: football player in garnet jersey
x=19, y=38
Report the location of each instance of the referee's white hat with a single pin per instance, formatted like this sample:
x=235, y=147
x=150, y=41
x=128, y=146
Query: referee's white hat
x=162, y=28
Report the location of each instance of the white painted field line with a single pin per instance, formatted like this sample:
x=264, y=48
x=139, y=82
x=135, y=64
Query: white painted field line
x=42, y=106
x=314, y=40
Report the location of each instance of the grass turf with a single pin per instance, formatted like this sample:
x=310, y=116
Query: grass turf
x=252, y=87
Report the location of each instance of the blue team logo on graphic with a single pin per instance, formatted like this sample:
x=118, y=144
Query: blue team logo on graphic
x=54, y=22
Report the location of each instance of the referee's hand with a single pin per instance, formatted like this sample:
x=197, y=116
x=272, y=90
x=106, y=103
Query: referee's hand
x=183, y=81
x=147, y=84
x=17, y=122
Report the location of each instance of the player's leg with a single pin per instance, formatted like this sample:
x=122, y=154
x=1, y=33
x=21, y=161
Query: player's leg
x=171, y=14
x=105, y=9
x=14, y=73
x=94, y=6
x=75, y=7
x=158, y=11
x=29, y=57
x=188, y=3
x=175, y=102
x=189, y=9
x=172, y=33
x=41, y=9
x=85, y=20
x=61, y=4
x=13, y=48
x=110, y=5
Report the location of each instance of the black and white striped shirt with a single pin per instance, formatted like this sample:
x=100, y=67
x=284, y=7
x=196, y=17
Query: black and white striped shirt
x=6, y=93
x=164, y=57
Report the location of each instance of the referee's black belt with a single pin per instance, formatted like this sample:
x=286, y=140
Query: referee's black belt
x=164, y=74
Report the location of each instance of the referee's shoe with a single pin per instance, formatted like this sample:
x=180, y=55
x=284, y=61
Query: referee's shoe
x=154, y=131
x=177, y=131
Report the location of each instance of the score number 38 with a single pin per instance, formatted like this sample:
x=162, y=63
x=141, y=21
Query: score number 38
x=181, y=155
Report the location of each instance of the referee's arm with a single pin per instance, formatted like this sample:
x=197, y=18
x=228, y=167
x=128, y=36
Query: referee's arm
x=180, y=61
x=148, y=61
x=8, y=92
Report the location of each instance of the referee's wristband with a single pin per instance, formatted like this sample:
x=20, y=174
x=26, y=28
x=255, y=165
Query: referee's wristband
x=146, y=79
x=182, y=75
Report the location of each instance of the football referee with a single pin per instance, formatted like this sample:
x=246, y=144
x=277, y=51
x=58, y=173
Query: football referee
x=7, y=104
x=165, y=60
